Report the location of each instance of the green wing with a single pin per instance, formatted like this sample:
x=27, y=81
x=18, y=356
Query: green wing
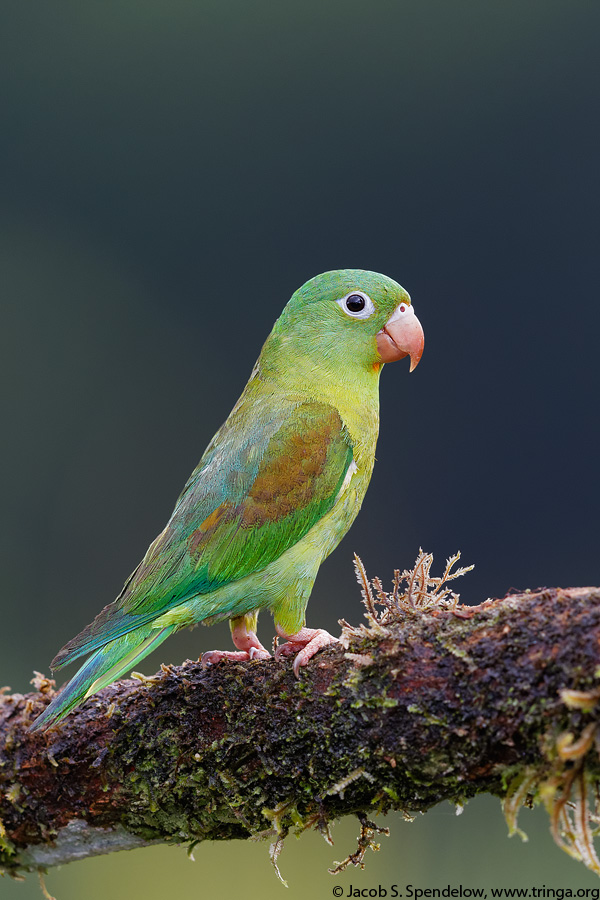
x=259, y=488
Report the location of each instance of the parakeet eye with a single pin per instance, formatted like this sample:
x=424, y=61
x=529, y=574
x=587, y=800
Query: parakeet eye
x=357, y=304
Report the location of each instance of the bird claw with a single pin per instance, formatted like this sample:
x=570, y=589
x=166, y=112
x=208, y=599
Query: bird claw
x=287, y=649
x=243, y=634
x=258, y=653
x=305, y=643
x=214, y=656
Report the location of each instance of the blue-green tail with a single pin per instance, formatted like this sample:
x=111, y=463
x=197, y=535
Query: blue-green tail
x=102, y=668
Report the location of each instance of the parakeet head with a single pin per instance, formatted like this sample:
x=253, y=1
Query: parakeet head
x=347, y=319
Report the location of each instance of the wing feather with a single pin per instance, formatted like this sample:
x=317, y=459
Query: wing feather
x=255, y=493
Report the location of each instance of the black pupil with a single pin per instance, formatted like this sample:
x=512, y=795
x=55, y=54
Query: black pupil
x=355, y=303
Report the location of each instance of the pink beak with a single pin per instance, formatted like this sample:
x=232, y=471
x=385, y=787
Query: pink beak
x=402, y=335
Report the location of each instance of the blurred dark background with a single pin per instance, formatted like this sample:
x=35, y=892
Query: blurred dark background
x=172, y=172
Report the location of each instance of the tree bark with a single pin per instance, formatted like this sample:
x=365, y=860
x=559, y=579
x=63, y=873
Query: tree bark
x=439, y=705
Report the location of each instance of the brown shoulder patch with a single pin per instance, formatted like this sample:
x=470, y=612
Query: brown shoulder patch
x=287, y=480
x=301, y=466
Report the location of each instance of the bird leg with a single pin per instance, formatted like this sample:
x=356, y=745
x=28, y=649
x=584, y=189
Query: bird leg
x=243, y=634
x=308, y=641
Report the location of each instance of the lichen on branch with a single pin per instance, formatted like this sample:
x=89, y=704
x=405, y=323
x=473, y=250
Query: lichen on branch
x=428, y=701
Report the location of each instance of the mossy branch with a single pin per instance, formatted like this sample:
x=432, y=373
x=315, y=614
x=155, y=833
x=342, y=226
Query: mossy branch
x=438, y=703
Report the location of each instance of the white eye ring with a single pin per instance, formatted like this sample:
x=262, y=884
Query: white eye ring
x=353, y=299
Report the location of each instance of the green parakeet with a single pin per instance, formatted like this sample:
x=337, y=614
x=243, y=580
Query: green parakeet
x=276, y=490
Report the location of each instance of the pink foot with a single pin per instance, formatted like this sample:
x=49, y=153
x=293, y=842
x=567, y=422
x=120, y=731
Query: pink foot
x=213, y=656
x=245, y=639
x=308, y=641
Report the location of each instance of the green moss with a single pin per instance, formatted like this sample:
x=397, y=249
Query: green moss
x=374, y=702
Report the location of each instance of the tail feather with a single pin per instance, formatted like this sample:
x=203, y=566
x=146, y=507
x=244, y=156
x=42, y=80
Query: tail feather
x=109, y=625
x=105, y=666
